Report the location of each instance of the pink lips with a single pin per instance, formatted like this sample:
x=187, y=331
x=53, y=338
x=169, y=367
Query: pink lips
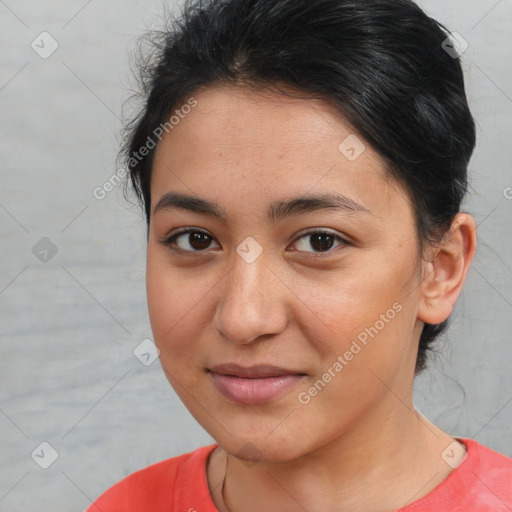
x=253, y=385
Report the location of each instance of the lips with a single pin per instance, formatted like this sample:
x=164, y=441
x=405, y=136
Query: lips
x=253, y=385
x=252, y=372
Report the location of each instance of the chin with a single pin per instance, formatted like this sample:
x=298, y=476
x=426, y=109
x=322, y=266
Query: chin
x=254, y=449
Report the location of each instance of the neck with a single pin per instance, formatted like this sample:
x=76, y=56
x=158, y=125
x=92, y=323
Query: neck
x=389, y=461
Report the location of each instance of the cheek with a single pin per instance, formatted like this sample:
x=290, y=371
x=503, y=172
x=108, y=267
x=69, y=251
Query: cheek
x=359, y=303
x=362, y=336
x=367, y=345
x=362, y=331
x=173, y=300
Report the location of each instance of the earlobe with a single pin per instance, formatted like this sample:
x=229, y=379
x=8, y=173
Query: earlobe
x=445, y=273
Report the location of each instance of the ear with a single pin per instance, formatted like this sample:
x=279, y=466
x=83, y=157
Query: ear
x=445, y=271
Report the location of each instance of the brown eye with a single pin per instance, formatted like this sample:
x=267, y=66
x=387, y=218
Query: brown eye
x=320, y=241
x=189, y=240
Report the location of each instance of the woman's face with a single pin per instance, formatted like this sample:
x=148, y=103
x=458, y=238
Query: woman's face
x=318, y=332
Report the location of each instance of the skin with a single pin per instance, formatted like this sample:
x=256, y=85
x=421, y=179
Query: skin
x=358, y=444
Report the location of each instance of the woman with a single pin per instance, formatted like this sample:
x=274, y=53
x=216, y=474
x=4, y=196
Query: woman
x=302, y=165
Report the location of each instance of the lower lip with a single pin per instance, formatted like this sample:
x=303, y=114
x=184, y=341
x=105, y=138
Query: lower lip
x=254, y=391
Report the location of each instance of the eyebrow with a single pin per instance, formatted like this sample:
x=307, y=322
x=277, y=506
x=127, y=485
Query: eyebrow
x=277, y=210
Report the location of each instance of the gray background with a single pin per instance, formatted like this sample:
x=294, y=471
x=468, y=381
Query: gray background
x=69, y=326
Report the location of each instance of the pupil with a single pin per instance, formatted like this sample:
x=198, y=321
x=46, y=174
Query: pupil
x=323, y=240
x=320, y=242
x=199, y=240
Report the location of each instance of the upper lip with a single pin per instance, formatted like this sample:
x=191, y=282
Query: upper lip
x=252, y=372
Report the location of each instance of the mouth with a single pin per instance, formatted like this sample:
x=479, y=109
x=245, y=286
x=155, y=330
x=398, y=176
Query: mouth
x=255, y=384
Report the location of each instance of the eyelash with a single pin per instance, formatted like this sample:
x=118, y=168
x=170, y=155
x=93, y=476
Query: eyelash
x=170, y=240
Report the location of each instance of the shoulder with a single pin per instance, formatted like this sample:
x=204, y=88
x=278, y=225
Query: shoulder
x=482, y=482
x=494, y=471
x=489, y=459
x=153, y=488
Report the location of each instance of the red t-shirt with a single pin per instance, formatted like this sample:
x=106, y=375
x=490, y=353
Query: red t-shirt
x=482, y=482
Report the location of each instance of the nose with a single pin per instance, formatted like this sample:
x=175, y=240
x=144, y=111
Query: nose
x=251, y=303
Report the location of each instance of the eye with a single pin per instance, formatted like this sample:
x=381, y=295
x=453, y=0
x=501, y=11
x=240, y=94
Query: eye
x=193, y=240
x=197, y=241
x=320, y=240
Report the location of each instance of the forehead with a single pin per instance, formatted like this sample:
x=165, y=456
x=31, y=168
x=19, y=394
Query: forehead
x=268, y=146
